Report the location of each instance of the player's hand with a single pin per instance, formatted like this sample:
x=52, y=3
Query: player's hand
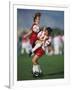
x=28, y=34
x=41, y=39
x=24, y=36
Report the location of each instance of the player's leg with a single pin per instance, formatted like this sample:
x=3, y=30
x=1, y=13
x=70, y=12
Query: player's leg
x=22, y=48
x=46, y=51
x=35, y=63
x=36, y=67
x=36, y=46
x=39, y=68
x=27, y=50
x=60, y=48
x=50, y=50
x=56, y=49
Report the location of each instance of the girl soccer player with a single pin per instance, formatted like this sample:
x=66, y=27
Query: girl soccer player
x=41, y=38
x=34, y=29
x=39, y=53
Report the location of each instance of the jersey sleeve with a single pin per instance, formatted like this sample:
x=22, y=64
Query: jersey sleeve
x=36, y=28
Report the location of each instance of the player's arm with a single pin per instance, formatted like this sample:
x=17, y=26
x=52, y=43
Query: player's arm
x=39, y=35
x=28, y=34
x=48, y=42
x=43, y=39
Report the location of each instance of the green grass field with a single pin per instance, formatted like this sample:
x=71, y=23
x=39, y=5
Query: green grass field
x=52, y=66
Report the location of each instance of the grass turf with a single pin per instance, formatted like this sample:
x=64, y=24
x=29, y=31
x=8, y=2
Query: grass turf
x=52, y=66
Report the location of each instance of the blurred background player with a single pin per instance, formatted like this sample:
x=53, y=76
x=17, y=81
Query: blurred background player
x=25, y=45
x=57, y=42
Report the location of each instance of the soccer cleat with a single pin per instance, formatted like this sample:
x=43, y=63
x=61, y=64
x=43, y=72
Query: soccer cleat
x=30, y=53
x=36, y=74
x=40, y=74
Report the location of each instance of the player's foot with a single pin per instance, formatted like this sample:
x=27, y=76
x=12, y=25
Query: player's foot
x=36, y=74
x=40, y=71
x=31, y=54
x=40, y=74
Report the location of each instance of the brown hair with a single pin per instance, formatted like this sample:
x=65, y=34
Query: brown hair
x=36, y=15
x=49, y=30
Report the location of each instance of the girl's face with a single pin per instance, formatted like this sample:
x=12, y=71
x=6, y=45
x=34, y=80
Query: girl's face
x=46, y=32
x=37, y=20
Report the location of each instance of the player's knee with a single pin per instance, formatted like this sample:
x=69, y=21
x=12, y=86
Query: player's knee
x=33, y=61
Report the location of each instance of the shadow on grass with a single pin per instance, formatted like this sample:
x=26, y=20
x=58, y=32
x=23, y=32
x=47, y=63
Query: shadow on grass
x=56, y=73
x=7, y=86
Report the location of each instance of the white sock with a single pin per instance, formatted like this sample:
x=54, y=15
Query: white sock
x=39, y=69
x=35, y=68
x=36, y=47
x=22, y=51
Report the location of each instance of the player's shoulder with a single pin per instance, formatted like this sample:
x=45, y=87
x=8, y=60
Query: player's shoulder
x=40, y=33
x=35, y=28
